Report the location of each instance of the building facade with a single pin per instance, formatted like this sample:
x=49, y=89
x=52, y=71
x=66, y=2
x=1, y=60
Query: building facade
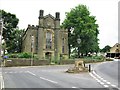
x=47, y=39
x=114, y=51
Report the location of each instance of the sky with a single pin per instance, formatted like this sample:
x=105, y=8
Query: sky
x=106, y=12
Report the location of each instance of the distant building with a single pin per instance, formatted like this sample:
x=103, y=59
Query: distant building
x=47, y=39
x=114, y=51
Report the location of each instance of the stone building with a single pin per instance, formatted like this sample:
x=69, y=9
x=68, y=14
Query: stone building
x=46, y=39
x=114, y=51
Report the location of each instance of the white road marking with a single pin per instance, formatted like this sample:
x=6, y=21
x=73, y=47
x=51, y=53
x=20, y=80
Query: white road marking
x=43, y=78
x=106, y=86
x=31, y=73
x=113, y=85
x=74, y=87
x=108, y=83
x=48, y=80
x=102, y=81
x=2, y=81
x=97, y=79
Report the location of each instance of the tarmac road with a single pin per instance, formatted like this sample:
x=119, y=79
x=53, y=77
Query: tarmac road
x=50, y=77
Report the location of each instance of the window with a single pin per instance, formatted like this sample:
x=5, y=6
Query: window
x=48, y=40
x=62, y=49
x=63, y=40
x=117, y=45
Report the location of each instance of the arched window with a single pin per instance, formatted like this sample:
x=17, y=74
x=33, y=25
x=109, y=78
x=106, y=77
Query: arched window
x=48, y=40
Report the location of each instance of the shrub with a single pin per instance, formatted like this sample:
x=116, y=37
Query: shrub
x=20, y=55
x=36, y=57
x=24, y=55
x=93, y=59
x=12, y=55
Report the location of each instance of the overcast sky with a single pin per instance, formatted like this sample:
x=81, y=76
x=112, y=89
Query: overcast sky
x=106, y=12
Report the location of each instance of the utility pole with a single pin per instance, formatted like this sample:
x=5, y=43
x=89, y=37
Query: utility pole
x=1, y=30
x=32, y=49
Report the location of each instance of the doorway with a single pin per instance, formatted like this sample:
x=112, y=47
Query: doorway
x=48, y=55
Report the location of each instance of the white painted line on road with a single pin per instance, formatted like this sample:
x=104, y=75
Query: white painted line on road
x=106, y=86
x=42, y=77
x=102, y=81
x=74, y=87
x=2, y=81
x=108, y=82
x=48, y=80
x=97, y=79
x=113, y=85
x=31, y=73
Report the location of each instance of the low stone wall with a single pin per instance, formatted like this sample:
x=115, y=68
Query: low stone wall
x=25, y=62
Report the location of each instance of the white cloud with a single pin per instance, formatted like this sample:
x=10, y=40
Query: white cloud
x=105, y=11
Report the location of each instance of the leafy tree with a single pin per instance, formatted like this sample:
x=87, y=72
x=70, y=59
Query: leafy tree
x=10, y=22
x=106, y=49
x=85, y=27
x=16, y=43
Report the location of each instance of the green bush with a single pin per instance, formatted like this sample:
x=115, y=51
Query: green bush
x=20, y=55
x=12, y=55
x=36, y=57
x=93, y=59
x=24, y=55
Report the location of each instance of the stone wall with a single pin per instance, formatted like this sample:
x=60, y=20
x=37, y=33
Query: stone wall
x=25, y=62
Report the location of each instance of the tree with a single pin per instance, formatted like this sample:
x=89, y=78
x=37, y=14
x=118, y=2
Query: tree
x=16, y=43
x=10, y=22
x=85, y=27
x=106, y=49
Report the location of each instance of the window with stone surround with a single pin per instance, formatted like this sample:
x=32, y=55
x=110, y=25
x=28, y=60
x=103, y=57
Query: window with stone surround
x=48, y=40
x=63, y=43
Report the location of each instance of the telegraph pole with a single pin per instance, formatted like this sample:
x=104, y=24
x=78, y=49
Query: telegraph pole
x=32, y=49
x=1, y=30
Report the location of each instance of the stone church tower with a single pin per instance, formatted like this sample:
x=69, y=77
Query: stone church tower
x=47, y=39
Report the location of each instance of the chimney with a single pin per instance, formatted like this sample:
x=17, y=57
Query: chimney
x=57, y=16
x=41, y=13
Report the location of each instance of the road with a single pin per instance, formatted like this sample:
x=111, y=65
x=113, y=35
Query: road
x=108, y=73
x=53, y=77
